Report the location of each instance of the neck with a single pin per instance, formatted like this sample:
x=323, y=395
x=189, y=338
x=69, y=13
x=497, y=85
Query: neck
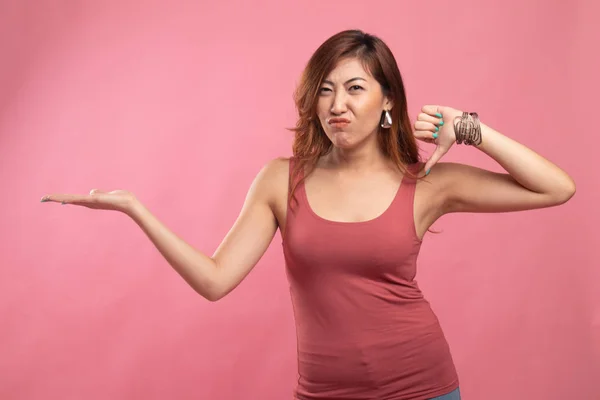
x=366, y=156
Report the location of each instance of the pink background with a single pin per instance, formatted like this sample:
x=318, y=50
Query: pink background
x=183, y=102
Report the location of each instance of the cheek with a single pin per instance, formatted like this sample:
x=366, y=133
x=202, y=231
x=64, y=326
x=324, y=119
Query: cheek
x=322, y=105
x=369, y=110
x=322, y=111
x=320, y=108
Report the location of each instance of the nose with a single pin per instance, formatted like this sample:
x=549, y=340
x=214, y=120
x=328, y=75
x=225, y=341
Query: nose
x=339, y=103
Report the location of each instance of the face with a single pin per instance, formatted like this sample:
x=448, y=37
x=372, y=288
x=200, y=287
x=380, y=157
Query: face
x=350, y=104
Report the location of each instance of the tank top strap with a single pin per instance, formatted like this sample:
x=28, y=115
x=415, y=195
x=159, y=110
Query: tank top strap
x=408, y=182
x=300, y=175
x=402, y=205
x=294, y=184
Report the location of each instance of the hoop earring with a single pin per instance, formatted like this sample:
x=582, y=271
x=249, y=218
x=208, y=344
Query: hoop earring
x=386, y=119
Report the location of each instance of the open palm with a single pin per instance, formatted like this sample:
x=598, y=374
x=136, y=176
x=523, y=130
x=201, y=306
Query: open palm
x=118, y=200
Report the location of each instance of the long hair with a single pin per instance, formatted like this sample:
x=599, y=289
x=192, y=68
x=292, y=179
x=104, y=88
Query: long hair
x=311, y=142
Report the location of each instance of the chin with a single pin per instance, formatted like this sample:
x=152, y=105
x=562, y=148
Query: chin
x=343, y=140
x=347, y=140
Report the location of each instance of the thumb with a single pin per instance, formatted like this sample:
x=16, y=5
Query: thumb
x=435, y=157
x=96, y=191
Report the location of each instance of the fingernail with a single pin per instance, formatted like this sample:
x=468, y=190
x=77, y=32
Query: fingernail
x=438, y=115
x=428, y=171
x=435, y=135
x=44, y=199
x=441, y=123
x=437, y=129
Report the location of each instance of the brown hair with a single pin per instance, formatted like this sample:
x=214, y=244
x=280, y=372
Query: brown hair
x=310, y=141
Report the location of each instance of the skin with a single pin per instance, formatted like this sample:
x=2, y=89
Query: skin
x=354, y=171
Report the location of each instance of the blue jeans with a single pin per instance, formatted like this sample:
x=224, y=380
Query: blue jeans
x=453, y=395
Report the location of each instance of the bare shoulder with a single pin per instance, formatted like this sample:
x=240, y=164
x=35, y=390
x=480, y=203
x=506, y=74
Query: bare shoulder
x=272, y=181
x=278, y=166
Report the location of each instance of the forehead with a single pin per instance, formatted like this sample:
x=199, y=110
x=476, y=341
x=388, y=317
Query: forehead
x=347, y=69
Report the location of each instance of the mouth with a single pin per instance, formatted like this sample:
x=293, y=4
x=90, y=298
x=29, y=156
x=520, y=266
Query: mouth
x=338, y=122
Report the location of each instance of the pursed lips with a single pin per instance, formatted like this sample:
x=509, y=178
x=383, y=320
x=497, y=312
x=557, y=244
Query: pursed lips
x=338, y=121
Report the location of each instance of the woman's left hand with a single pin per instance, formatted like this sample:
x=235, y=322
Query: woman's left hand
x=435, y=124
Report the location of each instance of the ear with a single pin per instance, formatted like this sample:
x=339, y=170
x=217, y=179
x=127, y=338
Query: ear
x=388, y=103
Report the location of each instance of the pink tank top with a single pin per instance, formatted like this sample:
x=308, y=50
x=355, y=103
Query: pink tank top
x=364, y=329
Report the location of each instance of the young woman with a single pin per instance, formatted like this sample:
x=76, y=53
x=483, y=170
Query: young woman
x=353, y=205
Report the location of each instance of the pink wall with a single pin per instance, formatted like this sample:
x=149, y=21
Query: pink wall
x=182, y=102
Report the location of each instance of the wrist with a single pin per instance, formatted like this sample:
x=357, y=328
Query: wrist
x=488, y=136
x=467, y=129
x=134, y=208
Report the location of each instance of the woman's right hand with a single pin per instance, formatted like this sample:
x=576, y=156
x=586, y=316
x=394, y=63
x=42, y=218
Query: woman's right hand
x=118, y=200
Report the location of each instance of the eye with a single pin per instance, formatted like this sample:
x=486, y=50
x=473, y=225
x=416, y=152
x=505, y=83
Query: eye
x=356, y=87
x=324, y=89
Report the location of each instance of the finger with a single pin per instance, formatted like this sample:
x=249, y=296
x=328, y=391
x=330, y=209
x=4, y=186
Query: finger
x=432, y=110
x=430, y=118
x=426, y=126
x=65, y=198
x=426, y=135
x=96, y=191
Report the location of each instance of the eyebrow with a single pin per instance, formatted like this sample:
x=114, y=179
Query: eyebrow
x=347, y=82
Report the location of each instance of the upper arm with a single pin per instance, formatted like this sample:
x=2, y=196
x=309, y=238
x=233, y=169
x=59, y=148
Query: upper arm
x=466, y=188
x=252, y=232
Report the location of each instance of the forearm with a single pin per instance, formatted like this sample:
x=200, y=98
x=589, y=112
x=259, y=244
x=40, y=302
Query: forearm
x=528, y=168
x=198, y=270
